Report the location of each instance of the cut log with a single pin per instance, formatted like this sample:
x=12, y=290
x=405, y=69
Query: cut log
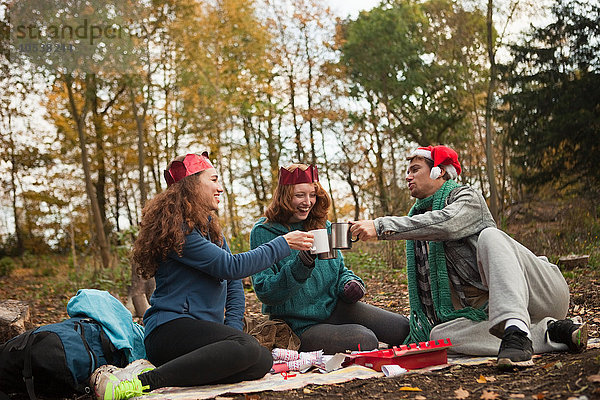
x=573, y=261
x=14, y=318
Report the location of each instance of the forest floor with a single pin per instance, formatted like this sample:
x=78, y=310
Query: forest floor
x=554, y=376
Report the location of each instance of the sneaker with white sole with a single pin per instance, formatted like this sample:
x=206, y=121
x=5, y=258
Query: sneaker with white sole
x=134, y=369
x=125, y=389
x=516, y=349
x=574, y=335
x=98, y=379
x=113, y=383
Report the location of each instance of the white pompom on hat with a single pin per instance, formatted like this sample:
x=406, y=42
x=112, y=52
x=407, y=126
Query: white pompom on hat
x=441, y=156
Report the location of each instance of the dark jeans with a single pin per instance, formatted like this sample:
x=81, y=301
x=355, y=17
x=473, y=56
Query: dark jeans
x=190, y=352
x=354, y=325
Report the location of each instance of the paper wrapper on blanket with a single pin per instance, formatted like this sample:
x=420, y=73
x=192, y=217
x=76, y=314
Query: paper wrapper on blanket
x=392, y=370
x=296, y=361
x=284, y=354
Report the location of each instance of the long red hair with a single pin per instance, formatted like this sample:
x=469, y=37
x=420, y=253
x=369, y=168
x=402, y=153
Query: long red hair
x=167, y=219
x=280, y=209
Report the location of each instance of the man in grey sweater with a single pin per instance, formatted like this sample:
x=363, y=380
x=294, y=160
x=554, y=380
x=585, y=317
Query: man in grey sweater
x=469, y=281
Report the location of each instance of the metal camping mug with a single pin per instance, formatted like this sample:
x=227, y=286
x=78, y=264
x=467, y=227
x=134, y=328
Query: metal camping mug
x=341, y=237
x=331, y=254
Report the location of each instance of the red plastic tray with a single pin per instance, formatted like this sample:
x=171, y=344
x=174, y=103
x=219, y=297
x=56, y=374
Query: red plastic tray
x=410, y=356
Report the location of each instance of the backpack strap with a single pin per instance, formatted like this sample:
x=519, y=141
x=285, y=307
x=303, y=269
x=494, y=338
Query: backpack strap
x=112, y=354
x=92, y=355
x=27, y=369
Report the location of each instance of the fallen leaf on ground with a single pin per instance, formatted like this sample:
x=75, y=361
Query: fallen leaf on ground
x=594, y=378
x=539, y=396
x=461, y=393
x=481, y=379
x=489, y=395
x=410, y=389
x=516, y=396
x=552, y=365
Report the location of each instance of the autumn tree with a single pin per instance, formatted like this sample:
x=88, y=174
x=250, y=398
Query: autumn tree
x=406, y=65
x=22, y=157
x=224, y=82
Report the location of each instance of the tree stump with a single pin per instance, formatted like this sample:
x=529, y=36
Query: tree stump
x=14, y=318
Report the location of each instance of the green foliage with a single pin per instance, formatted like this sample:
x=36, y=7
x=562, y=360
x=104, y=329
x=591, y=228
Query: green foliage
x=88, y=275
x=7, y=265
x=364, y=261
x=8, y=245
x=568, y=274
x=29, y=260
x=408, y=57
x=45, y=272
x=394, y=253
x=239, y=243
x=553, y=110
x=374, y=260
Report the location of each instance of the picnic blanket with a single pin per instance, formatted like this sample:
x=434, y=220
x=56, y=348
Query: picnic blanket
x=275, y=382
x=282, y=381
x=296, y=380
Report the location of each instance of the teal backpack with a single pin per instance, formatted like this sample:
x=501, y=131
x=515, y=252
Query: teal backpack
x=56, y=359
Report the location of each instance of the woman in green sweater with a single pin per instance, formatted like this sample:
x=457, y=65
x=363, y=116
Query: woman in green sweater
x=305, y=291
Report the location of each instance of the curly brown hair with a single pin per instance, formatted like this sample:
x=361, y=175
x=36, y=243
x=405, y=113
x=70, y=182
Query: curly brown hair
x=167, y=219
x=280, y=209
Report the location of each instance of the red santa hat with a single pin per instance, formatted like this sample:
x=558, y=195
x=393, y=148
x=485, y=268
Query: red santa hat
x=190, y=165
x=441, y=156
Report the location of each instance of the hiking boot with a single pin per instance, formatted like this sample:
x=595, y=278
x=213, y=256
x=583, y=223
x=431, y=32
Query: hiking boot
x=109, y=386
x=566, y=331
x=516, y=349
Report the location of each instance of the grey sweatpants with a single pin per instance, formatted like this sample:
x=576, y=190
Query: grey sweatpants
x=521, y=285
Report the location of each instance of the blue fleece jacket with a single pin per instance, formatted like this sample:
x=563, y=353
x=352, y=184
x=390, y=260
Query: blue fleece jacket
x=205, y=282
x=290, y=291
x=116, y=320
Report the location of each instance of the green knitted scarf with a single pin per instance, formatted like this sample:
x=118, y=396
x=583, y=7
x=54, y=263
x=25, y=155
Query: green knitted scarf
x=420, y=327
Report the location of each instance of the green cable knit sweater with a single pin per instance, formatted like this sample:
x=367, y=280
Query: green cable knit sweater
x=290, y=291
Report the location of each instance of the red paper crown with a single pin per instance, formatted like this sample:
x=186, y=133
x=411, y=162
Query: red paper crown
x=298, y=176
x=191, y=164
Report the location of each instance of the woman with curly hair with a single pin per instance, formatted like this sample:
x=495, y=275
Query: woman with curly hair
x=305, y=291
x=193, y=328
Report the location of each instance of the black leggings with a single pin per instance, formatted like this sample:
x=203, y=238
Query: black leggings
x=354, y=325
x=190, y=352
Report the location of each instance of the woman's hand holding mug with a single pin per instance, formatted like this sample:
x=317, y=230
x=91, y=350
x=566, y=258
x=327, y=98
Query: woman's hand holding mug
x=299, y=240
